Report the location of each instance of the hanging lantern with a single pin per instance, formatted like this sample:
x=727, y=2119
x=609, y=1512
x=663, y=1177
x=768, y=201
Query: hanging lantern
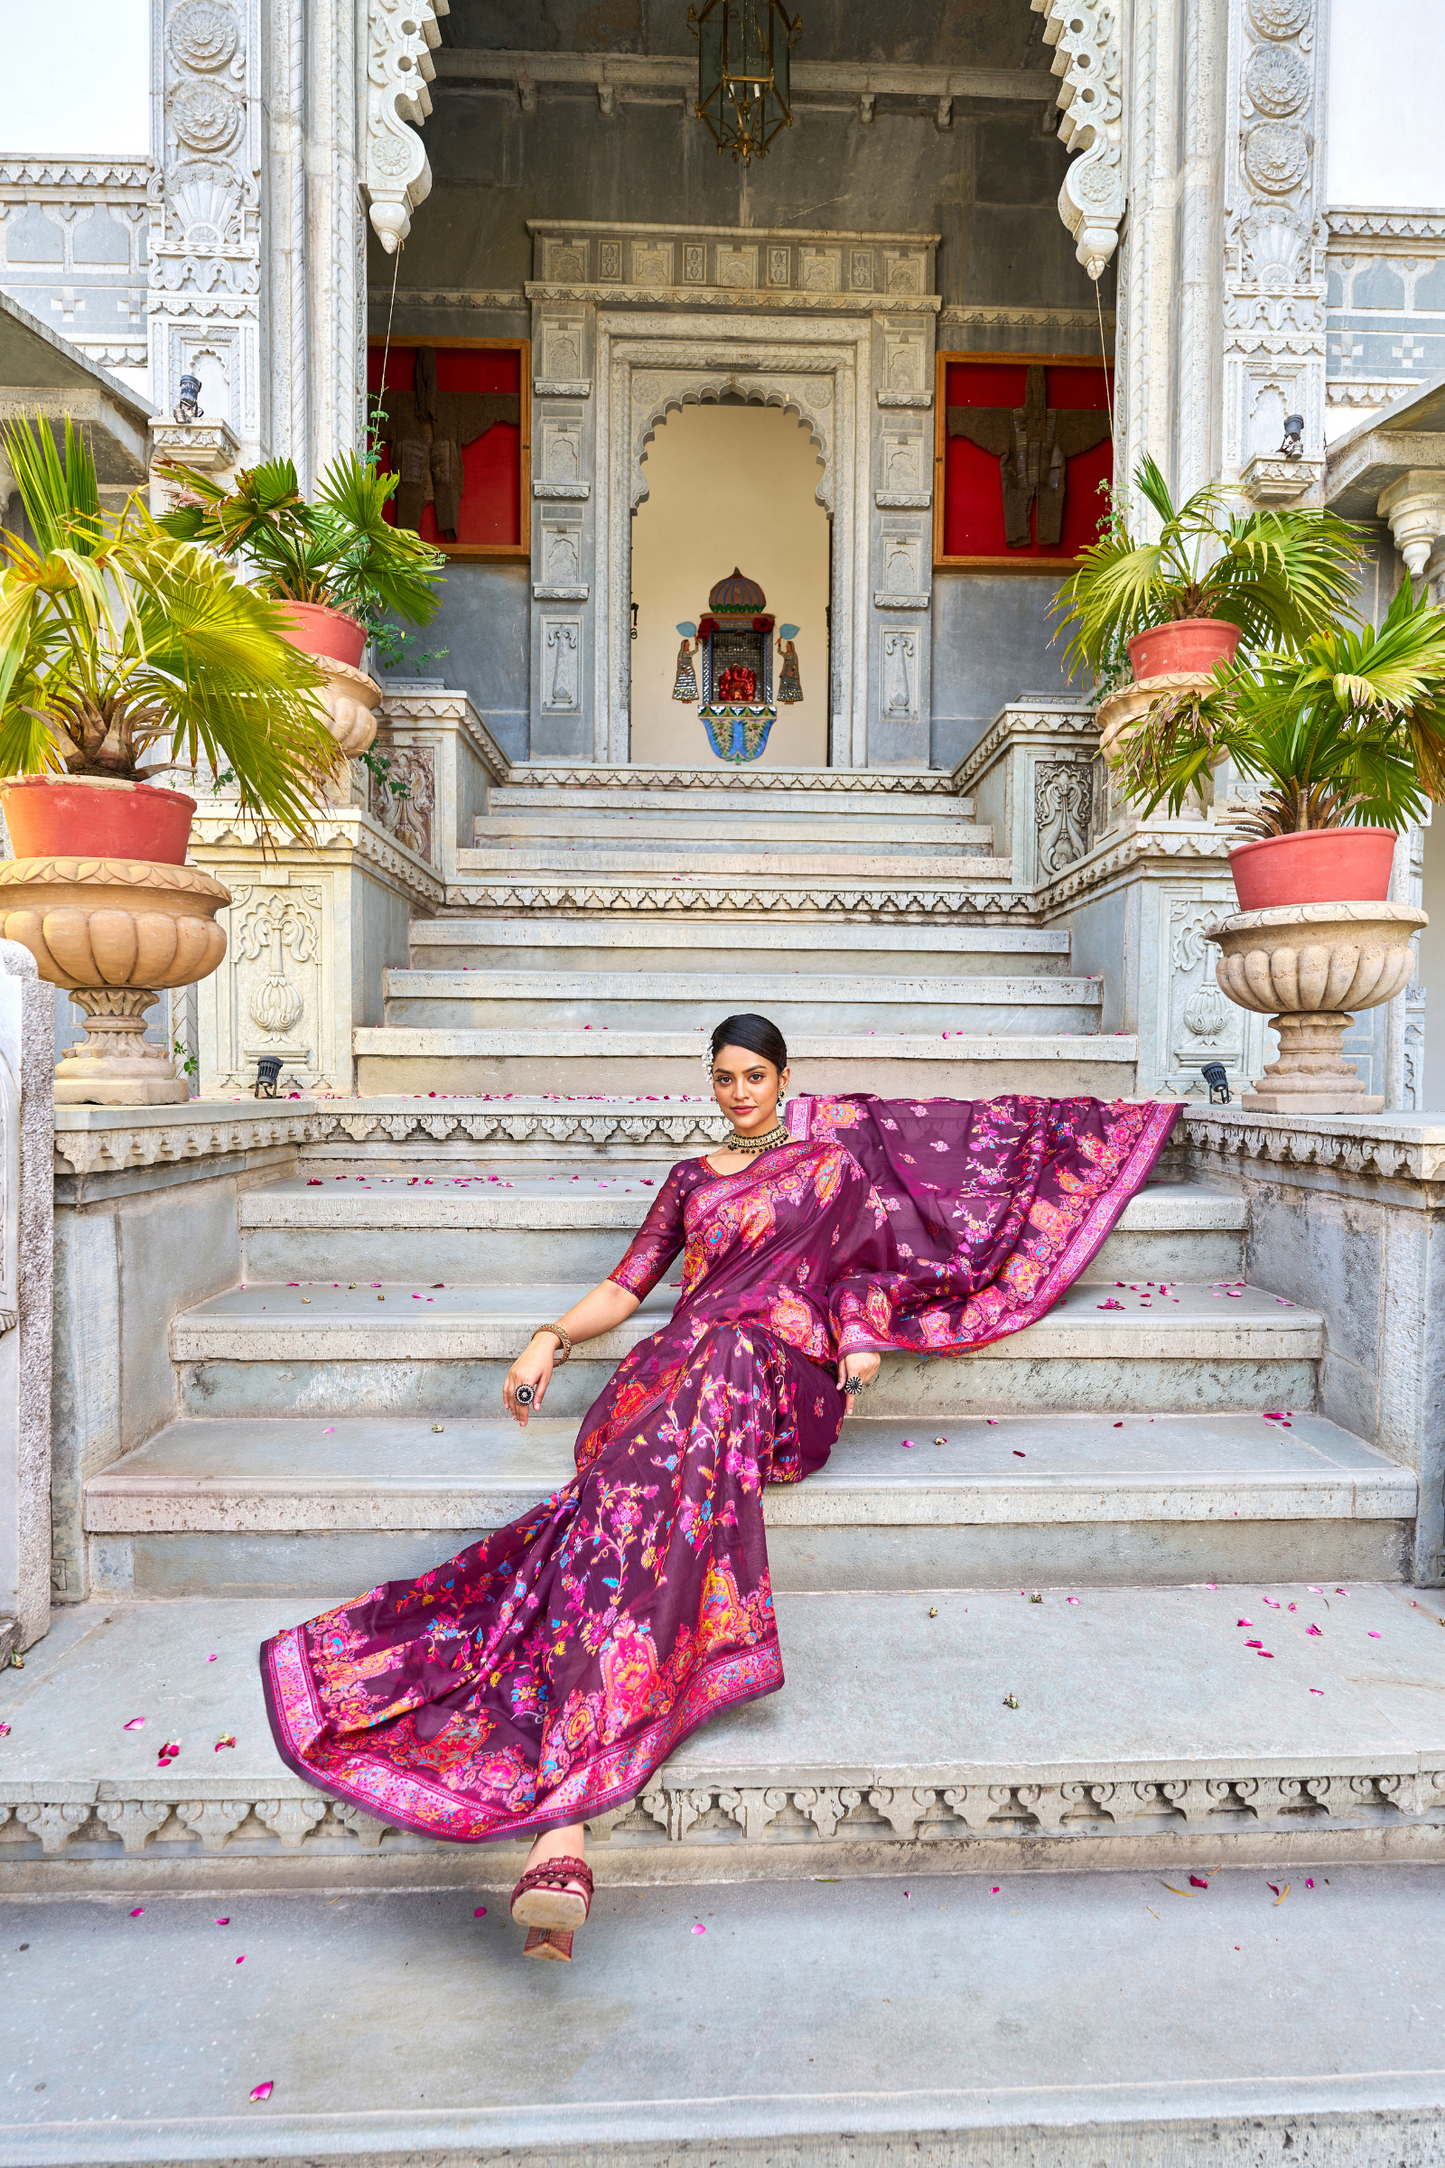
x=743, y=89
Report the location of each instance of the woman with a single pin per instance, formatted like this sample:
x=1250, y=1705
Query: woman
x=543, y=1675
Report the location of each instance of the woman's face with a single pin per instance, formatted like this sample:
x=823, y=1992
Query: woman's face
x=746, y=1087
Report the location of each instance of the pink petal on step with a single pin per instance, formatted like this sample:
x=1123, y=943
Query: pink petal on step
x=224, y=1923
x=263, y=2092
x=480, y=1913
x=1196, y=1883
x=698, y=1928
x=1244, y=1622
x=137, y=1723
x=1313, y=1630
x=1318, y=1690
x=137, y=1912
x=1373, y=1635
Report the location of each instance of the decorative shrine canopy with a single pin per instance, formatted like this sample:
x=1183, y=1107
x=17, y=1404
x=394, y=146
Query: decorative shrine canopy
x=735, y=652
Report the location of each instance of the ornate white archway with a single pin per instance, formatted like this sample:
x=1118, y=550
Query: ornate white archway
x=650, y=365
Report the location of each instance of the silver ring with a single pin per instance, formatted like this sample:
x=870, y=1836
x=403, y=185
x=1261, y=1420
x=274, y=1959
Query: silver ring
x=524, y=1396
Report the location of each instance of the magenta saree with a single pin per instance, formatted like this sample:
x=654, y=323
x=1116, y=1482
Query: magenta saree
x=543, y=1674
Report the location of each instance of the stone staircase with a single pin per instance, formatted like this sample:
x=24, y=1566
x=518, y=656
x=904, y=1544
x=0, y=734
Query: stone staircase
x=647, y=912
x=1008, y=1606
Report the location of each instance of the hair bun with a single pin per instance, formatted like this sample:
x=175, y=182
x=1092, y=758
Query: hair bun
x=755, y=1033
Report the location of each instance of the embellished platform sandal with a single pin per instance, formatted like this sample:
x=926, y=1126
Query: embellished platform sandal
x=543, y=1903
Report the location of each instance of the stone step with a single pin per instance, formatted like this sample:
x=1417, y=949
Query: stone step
x=514, y=1221
x=849, y=828
x=410, y=1058
x=659, y=860
x=720, y=781
x=439, y=1352
x=970, y=892
x=601, y=944
x=948, y=2022
x=798, y=1003
x=287, y=1505
x=1146, y=1732
x=827, y=795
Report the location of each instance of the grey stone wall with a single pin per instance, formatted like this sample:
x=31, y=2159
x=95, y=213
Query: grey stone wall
x=483, y=624
x=991, y=644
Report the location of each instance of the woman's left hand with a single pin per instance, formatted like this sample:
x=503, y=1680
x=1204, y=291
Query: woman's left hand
x=858, y=1366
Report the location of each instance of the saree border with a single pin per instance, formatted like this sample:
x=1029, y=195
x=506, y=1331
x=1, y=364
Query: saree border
x=604, y=1781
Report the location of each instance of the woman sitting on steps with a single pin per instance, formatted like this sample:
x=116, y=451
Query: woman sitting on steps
x=543, y=1675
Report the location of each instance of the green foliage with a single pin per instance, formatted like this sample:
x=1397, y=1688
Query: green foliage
x=118, y=640
x=339, y=551
x=1280, y=576
x=1350, y=729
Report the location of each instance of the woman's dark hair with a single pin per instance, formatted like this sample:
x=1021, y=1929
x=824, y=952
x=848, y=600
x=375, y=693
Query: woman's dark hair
x=756, y=1034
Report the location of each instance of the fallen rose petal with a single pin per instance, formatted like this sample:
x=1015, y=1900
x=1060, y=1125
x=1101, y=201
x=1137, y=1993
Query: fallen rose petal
x=1019, y=1455
x=1373, y=1635
x=137, y=1912
x=1244, y=1622
x=227, y=1738
x=1318, y=1690
x=1270, y=1601
x=241, y=1959
x=4, y=1731
x=263, y=2092
x=994, y=1891
x=137, y=1723
x=1313, y=1630
x=480, y=1913
x=698, y=1928
x=1309, y=1881
x=1266, y=1652
x=224, y=1923
x=1254, y=1644
x=1195, y=1883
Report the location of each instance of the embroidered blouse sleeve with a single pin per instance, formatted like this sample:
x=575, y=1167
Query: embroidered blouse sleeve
x=656, y=1243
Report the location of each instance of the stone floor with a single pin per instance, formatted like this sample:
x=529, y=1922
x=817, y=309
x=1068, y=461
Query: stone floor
x=1052, y=2022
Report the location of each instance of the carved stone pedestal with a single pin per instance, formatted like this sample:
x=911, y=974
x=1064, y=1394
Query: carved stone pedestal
x=114, y=931
x=1309, y=967
x=115, y=1064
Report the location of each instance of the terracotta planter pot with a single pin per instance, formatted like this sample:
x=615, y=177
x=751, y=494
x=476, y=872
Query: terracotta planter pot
x=1190, y=643
x=96, y=817
x=1324, y=865
x=330, y=635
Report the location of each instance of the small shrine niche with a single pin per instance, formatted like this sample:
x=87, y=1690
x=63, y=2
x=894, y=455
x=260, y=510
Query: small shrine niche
x=731, y=671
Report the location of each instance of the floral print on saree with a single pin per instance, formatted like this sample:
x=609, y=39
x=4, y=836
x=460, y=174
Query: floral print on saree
x=546, y=1672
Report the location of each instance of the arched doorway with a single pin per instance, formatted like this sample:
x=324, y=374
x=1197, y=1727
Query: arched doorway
x=729, y=484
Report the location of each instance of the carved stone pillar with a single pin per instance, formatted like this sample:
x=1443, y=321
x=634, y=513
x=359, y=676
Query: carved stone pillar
x=257, y=219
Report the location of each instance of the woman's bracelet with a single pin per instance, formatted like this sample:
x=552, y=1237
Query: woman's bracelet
x=564, y=1338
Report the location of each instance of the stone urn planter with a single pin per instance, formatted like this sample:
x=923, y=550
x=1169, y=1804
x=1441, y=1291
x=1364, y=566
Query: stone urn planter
x=115, y=932
x=1310, y=967
x=1120, y=713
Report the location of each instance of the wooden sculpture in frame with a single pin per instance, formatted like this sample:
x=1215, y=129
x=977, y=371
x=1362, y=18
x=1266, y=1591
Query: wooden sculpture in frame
x=1021, y=446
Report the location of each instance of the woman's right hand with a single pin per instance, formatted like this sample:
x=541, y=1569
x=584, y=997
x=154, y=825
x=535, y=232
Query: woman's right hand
x=533, y=1367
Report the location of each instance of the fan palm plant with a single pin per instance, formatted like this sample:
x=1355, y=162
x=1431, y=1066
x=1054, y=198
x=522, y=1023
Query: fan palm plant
x=119, y=642
x=1347, y=731
x=339, y=552
x=1278, y=575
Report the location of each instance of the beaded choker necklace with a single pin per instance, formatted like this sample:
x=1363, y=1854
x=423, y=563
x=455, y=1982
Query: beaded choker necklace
x=768, y=1143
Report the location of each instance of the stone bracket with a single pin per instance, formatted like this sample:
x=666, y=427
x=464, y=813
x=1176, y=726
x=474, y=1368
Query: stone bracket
x=401, y=37
x=1085, y=38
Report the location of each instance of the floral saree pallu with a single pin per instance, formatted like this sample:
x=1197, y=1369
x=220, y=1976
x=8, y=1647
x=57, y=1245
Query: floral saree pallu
x=543, y=1674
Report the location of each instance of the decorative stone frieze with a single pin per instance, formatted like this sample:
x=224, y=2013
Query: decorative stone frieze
x=73, y=251
x=102, y=1140
x=800, y=269
x=1148, y=1810
x=473, y=892
x=1270, y=479
x=877, y=782
x=444, y=757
